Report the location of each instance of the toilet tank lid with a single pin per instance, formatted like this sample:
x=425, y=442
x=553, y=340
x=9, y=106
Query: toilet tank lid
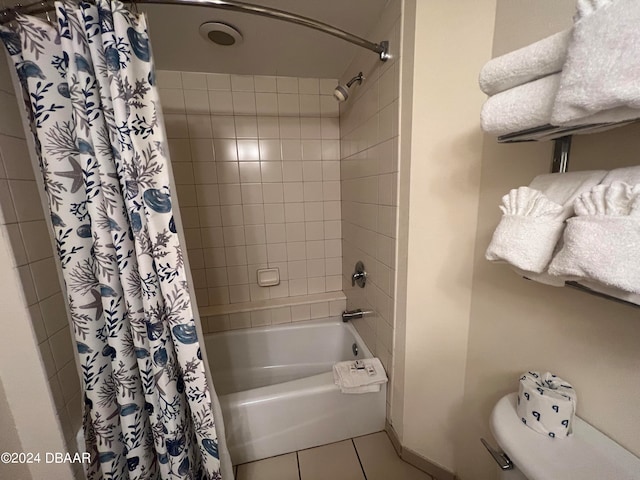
x=587, y=454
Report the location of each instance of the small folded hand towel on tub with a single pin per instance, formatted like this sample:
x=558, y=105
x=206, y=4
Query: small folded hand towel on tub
x=359, y=380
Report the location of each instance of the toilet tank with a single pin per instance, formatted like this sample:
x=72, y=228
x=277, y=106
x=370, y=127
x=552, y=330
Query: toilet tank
x=587, y=454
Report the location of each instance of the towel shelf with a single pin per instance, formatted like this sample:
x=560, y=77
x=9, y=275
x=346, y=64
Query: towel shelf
x=552, y=132
x=560, y=164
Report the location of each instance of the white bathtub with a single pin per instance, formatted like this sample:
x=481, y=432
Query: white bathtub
x=276, y=388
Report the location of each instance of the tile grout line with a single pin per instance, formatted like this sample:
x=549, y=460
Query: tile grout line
x=298, y=463
x=359, y=461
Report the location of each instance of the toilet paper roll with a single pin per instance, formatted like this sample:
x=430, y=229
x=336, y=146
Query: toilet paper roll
x=547, y=404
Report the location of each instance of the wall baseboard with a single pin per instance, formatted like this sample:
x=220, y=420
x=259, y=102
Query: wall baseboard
x=418, y=461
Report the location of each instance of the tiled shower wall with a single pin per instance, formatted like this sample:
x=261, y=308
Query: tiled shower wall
x=24, y=221
x=256, y=164
x=369, y=174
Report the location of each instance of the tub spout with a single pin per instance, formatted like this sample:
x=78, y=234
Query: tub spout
x=351, y=314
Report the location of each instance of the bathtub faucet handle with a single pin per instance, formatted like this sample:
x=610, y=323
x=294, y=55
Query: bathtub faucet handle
x=359, y=276
x=351, y=314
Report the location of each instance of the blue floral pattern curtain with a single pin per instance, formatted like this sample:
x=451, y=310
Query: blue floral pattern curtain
x=90, y=93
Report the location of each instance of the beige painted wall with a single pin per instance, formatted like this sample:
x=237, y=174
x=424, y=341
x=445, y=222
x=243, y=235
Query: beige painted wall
x=452, y=41
x=518, y=325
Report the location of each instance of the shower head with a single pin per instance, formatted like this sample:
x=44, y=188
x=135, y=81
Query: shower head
x=341, y=92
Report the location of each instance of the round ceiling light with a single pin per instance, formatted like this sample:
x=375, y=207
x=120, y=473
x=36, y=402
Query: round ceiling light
x=221, y=34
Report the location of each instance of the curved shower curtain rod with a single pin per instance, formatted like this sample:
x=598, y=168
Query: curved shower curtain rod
x=382, y=48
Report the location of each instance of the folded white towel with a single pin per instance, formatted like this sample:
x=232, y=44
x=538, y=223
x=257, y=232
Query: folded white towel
x=629, y=175
x=587, y=7
x=352, y=380
x=531, y=105
x=520, y=108
x=533, y=220
x=564, y=188
x=526, y=64
x=602, y=68
x=600, y=243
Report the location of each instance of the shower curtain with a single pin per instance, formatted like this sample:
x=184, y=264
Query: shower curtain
x=90, y=94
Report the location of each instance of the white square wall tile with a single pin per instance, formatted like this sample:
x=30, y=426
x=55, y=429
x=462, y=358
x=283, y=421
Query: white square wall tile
x=312, y=171
x=281, y=315
x=172, y=100
x=196, y=102
x=280, y=291
x=250, y=173
x=254, y=216
x=244, y=103
x=293, y=192
x=264, y=83
x=315, y=285
x=270, y=149
x=314, y=230
x=292, y=172
x=310, y=128
x=269, y=127
x=266, y=104
x=300, y=312
x=230, y=194
x=218, y=81
x=242, y=83
x=333, y=283
x=287, y=84
x=225, y=150
x=274, y=212
x=295, y=232
x=168, y=79
x=309, y=105
x=232, y=215
x=256, y=254
x=273, y=193
x=277, y=252
x=252, y=193
x=223, y=126
x=319, y=310
x=313, y=192
x=297, y=288
x=309, y=85
x=246, y=126
x=271, y=172
x=313, y=211
x=291, y=150
x=294, y=212
x=220, y=102
x=194, y=81
x=297, y=269
x=228, y=172
x=289, y=127
x=259, y=293
x=248, y=150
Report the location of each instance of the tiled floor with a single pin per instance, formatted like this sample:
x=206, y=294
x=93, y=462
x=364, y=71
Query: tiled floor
x=371, y=457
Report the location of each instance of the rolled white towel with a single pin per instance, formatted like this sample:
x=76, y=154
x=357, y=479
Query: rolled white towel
x=526, y=64
x=533, y=221
x=600, y=243
x=600, y=76
x=530, y=227
x=521, y=108
x=587, y=7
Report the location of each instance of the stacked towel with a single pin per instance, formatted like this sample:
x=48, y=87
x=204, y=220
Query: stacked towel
x=602, y=69
x=352, y=380
x=630, y=175
x=521, y=108
x=600, y=243
x=525, y=65
x=533, y=220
